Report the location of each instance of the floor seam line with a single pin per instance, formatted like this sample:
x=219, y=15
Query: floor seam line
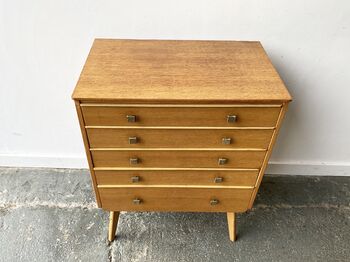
x=286, y=206
x=12, y=205
x=93, y=206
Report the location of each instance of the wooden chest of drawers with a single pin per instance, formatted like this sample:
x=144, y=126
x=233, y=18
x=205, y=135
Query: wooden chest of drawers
x=178, y=125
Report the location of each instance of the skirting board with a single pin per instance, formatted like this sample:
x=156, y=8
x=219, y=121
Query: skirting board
x=307, y=168
x=278, y=168
x=43, y=161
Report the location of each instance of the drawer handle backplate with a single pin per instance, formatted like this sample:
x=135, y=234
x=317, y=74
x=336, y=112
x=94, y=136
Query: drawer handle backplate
x=226, y=140
x=137, y=201
x=222, y=161
x=135, y=179
x=134, y=161
x=131, y=118
x=133, y=140
x=218, y=180
x=231, y=118
x=214, y=202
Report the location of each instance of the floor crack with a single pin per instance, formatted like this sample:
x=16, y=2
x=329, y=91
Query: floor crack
x=111, y=255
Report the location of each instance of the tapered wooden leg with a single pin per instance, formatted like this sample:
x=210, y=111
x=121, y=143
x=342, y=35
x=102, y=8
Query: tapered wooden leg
x=113, y=221
x=231, y=220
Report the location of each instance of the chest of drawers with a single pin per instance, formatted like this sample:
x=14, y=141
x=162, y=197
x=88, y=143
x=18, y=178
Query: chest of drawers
x=178, y=125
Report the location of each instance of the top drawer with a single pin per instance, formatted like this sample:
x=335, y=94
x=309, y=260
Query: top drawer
x=180, y=115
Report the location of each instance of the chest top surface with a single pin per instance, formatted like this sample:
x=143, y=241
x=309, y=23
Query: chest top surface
x=179, y=71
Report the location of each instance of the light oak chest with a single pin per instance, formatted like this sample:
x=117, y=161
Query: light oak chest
x=178, y=125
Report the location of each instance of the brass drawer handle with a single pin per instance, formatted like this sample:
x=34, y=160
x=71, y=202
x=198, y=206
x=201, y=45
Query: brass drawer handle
x=214, y=202
x=231, y=118
x=137, y=201
x=131, y=118
x=218, y=180
x=135, y=179
x=226, y=140
x=222, y=161
x=134, y=161
x=133, y=140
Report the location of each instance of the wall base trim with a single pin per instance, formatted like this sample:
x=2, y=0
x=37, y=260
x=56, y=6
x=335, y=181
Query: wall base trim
x=312, y=169
x=54, y=161
x=275, y=168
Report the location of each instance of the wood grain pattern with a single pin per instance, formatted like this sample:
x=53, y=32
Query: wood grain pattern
x=177, y=138
x=181, y=93
x=231, y=221
x=114, y=104
x=87, y=151
x=113, y=221
x=175, y=199
x=174, y=116
x=171, y=169
x=177, y=177
x=236, y=159
x=268, y=154
x=156, y=71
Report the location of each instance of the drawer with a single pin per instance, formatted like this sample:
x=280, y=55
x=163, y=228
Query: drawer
x=174, y=199
x=116, y=115
x=204, y=177
x=178, y=158
x=178, y=138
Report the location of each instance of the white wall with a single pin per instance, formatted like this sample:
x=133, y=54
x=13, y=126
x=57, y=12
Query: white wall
x=43, y=45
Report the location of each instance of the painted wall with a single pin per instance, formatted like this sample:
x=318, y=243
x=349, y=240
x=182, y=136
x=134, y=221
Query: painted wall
x=43, y=46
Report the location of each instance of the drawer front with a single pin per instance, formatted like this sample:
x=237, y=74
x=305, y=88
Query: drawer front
x=177, y=177
x=178, y=138
x=175, y=199
x=186, y=158
x=180, y=116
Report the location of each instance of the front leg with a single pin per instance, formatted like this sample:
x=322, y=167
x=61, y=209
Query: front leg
x=231, y=220
x=113, y=221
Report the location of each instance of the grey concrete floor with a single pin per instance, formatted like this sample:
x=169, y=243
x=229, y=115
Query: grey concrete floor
x=51, y=215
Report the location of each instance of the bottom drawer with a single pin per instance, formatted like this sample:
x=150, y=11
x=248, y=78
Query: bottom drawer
x=188, y=199
x=205, y=177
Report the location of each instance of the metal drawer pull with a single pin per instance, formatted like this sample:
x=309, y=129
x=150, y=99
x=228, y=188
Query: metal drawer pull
x=226, y=140
x=137, y=201
x=133, y=140
x=214, y=202
x=222, y=161
x=134, y=161
x=218, y=180
x=131, y=118
x=135, y=179
x=231, y=118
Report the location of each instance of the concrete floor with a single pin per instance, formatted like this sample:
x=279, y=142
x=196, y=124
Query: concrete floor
x=50, y=215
